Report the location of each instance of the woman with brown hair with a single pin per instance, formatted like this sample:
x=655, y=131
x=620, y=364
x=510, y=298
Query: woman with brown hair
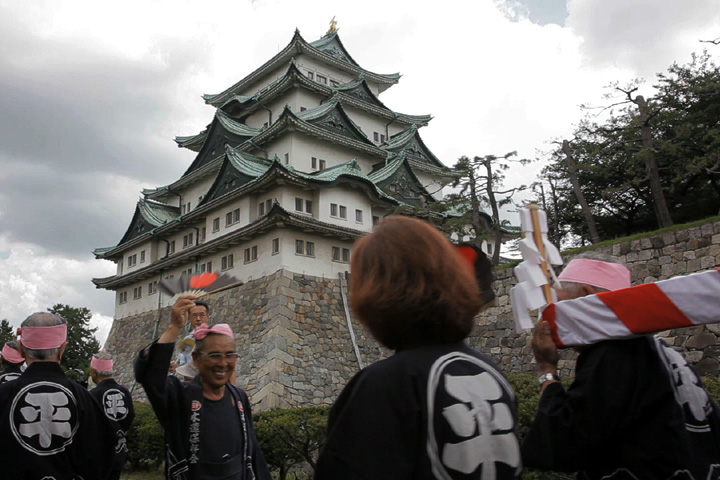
x=436, y=408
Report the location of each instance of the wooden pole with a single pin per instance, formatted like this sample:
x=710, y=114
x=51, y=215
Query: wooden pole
x=537, y=238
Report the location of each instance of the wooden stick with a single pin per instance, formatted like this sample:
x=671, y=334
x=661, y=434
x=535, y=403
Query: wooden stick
x=537, y=238
x=236, y=284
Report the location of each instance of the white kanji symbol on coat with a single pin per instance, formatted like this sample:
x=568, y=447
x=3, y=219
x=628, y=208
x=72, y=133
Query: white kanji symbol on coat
x=47, y=416
x=477, y=422
x=114, y=403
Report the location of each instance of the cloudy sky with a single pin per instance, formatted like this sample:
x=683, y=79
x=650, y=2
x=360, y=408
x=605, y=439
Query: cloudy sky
x=93, y=93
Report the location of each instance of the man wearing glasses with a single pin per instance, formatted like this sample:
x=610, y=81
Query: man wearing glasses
x=208, y=423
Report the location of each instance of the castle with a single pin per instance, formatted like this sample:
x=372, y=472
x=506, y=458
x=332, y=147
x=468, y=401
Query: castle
x=300, y=159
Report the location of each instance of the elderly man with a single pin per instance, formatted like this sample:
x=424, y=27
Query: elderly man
x=208, y=423
x=51, y=427
x=117, y=404
x=635, y=409
x=12, y=361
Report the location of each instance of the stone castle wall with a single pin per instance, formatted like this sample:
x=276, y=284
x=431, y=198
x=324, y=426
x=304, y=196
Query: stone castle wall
x=296, y=347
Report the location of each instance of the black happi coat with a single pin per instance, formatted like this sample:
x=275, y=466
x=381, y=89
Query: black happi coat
x=178, y=406
x=635, y=411
x=116, y=403
x=51, y=427
x=12, y=372
x=440, y=411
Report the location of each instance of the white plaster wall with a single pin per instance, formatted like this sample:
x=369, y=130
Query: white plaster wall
x=191, y=194
x=351, y=198
x=262, y=116
x=147, y=247
x=303, y=147
x=431, y=184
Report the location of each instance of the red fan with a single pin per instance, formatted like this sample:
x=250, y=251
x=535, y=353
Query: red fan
x=482, y=267
x=198, y=285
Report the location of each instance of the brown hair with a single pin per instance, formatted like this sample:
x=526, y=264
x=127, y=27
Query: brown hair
x=410, y=287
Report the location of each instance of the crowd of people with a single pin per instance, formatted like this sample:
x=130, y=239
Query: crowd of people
x=435, y=409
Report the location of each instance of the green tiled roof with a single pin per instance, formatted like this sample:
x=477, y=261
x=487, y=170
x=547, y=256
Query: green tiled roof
x=409, y=142
x=331, y=51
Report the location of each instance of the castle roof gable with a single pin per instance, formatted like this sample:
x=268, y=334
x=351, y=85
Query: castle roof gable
x=329, y=50
x=409, y=143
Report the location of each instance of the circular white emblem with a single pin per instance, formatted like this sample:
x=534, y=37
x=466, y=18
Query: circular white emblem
x=44, y=417
x=471, y=427
x=9, y=377
x=114, y=404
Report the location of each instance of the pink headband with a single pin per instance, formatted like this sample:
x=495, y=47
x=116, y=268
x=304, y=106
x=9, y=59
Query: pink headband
x=11, y=355
x=43, y=338
x=610, y=276
x=101, y=365
x=203, y=331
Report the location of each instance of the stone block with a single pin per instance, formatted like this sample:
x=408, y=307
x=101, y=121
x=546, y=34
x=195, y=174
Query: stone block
x=701, y=341
x=708, y=262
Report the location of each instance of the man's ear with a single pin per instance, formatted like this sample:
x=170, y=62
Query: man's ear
x=586, y=289
x=62, y=350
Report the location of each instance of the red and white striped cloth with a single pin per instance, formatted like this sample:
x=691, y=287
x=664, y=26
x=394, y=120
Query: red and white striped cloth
x=652, y=307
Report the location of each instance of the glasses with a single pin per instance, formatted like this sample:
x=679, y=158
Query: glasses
x=199, y=315
x=217, y=356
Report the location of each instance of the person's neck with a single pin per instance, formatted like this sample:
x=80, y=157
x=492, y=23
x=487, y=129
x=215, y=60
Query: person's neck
x=213, y=393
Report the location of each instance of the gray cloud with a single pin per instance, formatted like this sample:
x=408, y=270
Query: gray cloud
x=77, y=124
x=641, y=34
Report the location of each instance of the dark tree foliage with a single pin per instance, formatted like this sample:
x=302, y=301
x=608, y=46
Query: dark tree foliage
x=611, y=158
x=291, y=436
x=7, y=332
x=479, y=181
x=81, y=343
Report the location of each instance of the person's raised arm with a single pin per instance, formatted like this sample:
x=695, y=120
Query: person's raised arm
x=546, y=353
x=178, y=318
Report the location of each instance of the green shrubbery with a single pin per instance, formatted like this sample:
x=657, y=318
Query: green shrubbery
x=146, y=443
x=292, y=437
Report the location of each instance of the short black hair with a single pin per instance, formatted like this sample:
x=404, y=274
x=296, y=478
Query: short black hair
x=201, y=303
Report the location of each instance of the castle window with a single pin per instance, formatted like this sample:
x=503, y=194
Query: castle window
x=232, y=217
x=206, y=267
x=305, y=248
x=142, y=256
x=132, y=260
x=382, y=138
x=310, y=75
x=358, y=216
x=298, y=204
x=226, y=262
x=187, y=240
x=302, y=109
x=321, y=79
x=251, y=254
x=171, y=248
x=202, y=234
x=287, y=159
x=333, y=209
x=268, y=205
x=376, y=137
x=152, y=288
x=340, y=254
x=137, y=293
x=343, y=212
x=228, y=219
x=275, y=246
x=313, y=163
x=322, y=164
x=261, y=209
x=308, y=206
x=490, y=248
x=216, y=224
x=122, y=297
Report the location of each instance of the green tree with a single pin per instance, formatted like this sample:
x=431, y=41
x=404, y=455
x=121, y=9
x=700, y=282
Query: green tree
x=291, y=436
x=81, y=342
x=480, y=182
x=7, y=332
